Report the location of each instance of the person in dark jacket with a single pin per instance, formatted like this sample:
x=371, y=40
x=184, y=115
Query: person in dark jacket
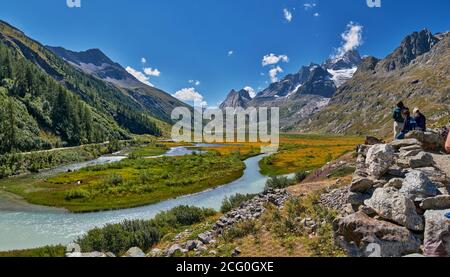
x=399, y=120
x=421, y=120
x=410, y=124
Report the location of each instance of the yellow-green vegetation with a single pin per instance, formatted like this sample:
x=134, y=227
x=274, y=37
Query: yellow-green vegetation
x=243, y=150
x=42, y=252
x=131, y=182
x=306, y=152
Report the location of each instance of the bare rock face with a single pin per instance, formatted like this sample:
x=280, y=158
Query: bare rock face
x=437, y=234
x=358, y=232
x=394, y=206
x=379, y=159
x=417, y=186
x=430, y=141
x=406, y=143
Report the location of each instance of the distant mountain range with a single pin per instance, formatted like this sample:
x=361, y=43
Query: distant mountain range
x=417, y=72
x=56, y=96
x=301, y=94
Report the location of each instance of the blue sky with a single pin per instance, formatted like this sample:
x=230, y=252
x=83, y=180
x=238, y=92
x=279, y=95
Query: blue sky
x=192, y=39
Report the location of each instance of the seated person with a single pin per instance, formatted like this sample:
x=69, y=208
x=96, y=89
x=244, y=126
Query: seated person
x=410, y=124
x=421, y=120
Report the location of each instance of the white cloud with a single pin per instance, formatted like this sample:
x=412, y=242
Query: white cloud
x=143, y=60
x=194, y=82
x=190, y=95
x=351, y=38
x=272, y=59
x=139, y=75
x=152, y=72
x=316, y=14
x=287, y=15
x=230, y=53
x=273, y=73
x=250, y=91
x=308, y=6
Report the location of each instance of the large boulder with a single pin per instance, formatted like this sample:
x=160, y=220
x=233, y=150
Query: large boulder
x=358, y=232
x=429, y=140
x=440, y=202
x=435, y=175
x=417, y=186
x=379, y=159
x=437, y=234
x=423, y=159
x=394, y=206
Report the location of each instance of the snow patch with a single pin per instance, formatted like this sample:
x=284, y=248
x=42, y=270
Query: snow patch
x=341, y=76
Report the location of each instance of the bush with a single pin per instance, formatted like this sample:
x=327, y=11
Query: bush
x=279, y=183
x=235, y=201
x=240, y=230
x=118, y=238
x=114, y=179
x=300, y=176
x=76, y=194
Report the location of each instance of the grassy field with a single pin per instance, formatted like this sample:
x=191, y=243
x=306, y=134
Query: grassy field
x=306, y=152
x=129, y=183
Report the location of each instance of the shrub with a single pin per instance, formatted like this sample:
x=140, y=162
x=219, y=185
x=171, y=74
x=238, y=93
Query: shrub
x=300, y=176
x=118, y=238
x=76, y=194
x=240, y=230
x=279, y=183
x=235, y=201
x=114, y=179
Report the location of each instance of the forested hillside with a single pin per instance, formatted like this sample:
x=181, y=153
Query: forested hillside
x=46, y=103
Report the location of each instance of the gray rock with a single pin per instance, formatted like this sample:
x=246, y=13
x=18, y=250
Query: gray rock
x=361, y=184
x=174, y=250
x=435, y=175
x=379, y=159
x=394, y=206
x=205, y=237
x=417, y=186
x=110, y=255
x=440, y=202
x=411, y=148
x=396, y=171
x=429, y=140
x=437, y=234
x=422, y=159
x=358, y=232
x=134, y=252
x=236, y=252
x=397, y=144
x=190, y=245
x=156, y=252
x=356, y=198
x=410, y=153
x=395, y=183
x=415, y=255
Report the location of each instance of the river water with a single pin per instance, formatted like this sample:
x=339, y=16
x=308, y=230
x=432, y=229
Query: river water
x=29, y=229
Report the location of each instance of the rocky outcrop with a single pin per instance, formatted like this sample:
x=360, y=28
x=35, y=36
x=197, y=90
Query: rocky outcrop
x=250, y=210
x=396, y=204
x=431, y=141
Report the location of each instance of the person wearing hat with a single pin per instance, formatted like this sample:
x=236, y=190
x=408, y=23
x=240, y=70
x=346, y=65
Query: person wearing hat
x=399, y=120
x=421, y=120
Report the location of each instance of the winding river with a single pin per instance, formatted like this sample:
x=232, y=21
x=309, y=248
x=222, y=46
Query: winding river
x=29, y=229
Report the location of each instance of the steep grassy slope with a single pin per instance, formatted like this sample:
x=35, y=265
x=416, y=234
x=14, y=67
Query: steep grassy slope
x=418, y=72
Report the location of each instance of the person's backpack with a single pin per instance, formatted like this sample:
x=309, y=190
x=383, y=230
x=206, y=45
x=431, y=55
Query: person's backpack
x=398, y=115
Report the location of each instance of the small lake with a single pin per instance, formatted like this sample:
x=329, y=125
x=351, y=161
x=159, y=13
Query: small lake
x=21, y=230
